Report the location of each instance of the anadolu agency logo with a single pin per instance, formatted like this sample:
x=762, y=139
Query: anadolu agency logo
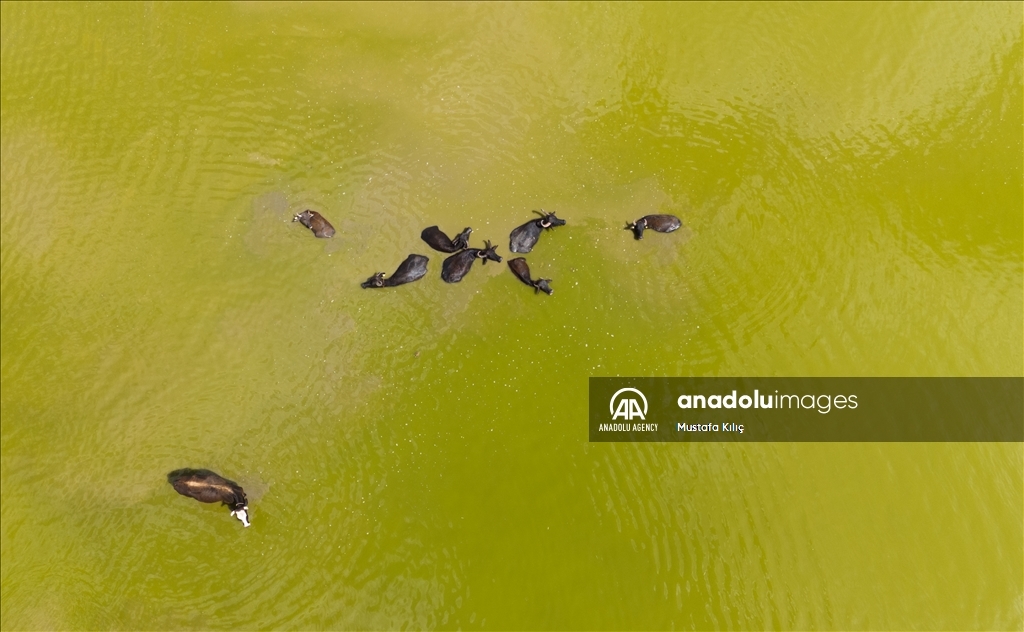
x=627, y=405
x=628, y=408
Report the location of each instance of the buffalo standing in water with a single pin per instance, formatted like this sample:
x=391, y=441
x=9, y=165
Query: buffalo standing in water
x=209, y=487
x=658, y=223
x=458, y=265
x=439, y=241
x=522, y=272
x=315, y=222
x=412, y=269
x=525, y=237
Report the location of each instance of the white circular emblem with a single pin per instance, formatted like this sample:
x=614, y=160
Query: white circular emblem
x=611, y=403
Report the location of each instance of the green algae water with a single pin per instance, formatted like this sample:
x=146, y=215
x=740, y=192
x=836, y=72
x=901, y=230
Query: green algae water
x=849, y=178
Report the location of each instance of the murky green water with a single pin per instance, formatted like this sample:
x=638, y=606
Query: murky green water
x=850, y=182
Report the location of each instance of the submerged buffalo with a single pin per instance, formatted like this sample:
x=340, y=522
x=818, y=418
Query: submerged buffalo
x=412, y=269
x=209, y=487
x=315, y=222
x=439, y=241
x=458, y=265
x=525, y=237
x=522, y=272
x=657, y=223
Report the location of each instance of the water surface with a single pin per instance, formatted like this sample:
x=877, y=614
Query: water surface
x=850, y=183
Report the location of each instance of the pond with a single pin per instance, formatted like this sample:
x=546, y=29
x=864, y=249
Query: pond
x=849, y=180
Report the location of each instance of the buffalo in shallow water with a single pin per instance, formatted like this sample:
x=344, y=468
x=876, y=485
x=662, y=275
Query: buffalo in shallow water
x=210, y=487
x=439, y=241
x=657, y=223
x=522, y=272
x=525, y=237
x=315, y=222
x=458, y=265
x=412, y=269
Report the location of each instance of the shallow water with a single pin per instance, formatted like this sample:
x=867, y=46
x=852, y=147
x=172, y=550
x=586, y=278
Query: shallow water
x=850, y=183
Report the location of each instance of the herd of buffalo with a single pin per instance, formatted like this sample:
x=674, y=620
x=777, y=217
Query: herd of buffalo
x=209, y=487
x=521, y=240
x=462, y=256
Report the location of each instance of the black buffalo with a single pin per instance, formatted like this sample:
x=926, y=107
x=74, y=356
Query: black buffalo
x=522, y=272
x=657, y=223
x=439, y=241
x=315, y=222
x=209, y=487
x=458, y=265
x=525, y=237
x=412, y=269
